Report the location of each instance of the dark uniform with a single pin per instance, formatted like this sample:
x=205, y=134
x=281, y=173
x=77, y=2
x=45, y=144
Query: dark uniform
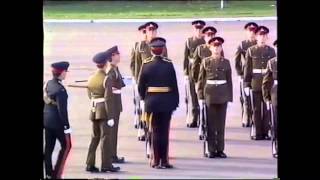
x=158, y=89
x=99, y=115
x=239, y=62
x=215, y=88
x=269, y=91
x=143, y=52
x=191, y=44
x=254, y=69
x=56, y=122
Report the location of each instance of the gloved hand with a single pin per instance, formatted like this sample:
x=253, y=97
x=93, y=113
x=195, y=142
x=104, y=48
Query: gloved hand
x=268, y=105
x=142, y=105
x=201, y=103
x=247, y=91
x=110, y=122
x=68, y=131
x=240, y=79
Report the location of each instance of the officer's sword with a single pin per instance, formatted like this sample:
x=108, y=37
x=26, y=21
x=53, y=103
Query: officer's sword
x=205, y=138
x=201, y=126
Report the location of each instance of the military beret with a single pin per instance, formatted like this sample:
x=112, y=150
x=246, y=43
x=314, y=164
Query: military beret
x=251, y=26
x=262, y=30
x=216, y=41
x=100, y=58
x=60, y=66
x=157, y=42
x=151, y=25
x=198, y=23
x=143, y=26
x=275, y=43
x=209, y=29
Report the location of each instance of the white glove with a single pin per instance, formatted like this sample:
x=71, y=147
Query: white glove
x=268, y=105
x=142, y=105
x=247, y=91
x=201, y=103
x=68, y=131
x=110, y=122
x=240, y=79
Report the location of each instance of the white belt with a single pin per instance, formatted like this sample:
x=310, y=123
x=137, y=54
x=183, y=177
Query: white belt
x=216, y=81
x=191, y=60
x=116, y=91
x=259, y=70
x=98, y=100
x=275, y=82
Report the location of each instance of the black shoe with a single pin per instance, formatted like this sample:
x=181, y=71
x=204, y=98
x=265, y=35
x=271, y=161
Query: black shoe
x=48, y=177
x=193, y=125
x=267, y=137
x=142, y=138
x=118, y=160
x=166, y=166
x=221, y=154
x=212, y=155
x=275, y=155
x=92, y=169
x=111, y=169
x=257, y=138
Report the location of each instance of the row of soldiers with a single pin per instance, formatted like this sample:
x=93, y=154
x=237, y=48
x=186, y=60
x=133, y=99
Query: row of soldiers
x=252, y=64
x=156, y=95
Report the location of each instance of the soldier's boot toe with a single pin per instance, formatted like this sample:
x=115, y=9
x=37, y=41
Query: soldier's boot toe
x=118, y=160
x=221, y=154
x=212, y=155
x=111, y=169
x=142, y=138
x=92, y=169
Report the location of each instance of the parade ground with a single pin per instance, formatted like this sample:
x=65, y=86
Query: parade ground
x=79, y=42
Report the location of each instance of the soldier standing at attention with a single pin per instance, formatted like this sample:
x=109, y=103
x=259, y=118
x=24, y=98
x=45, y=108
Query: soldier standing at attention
x=158, y=89
x=203, y=51
x=56, y=121
x=143, y=51
x=255, y=66
x=113, y=85
x=135, y=65
x=191, y=44
x=269, y=91
x=239, y=61
x=215, y=91
x=102, y=122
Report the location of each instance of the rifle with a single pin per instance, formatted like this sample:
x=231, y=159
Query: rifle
x=201, y=129
x=205, y=132
x=253, y=130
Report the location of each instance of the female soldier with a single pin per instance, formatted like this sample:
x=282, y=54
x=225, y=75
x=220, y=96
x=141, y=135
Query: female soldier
x=56, y=122
x=215, y=91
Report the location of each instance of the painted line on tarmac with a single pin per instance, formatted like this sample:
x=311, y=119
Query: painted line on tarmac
x=157, y=20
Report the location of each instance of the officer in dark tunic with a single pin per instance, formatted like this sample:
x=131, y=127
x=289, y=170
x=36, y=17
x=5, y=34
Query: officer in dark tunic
x=215, y=91
x=101, y=116
x=239, y=65
x=255, y=67
x=158, y=89
x=143, y=52
x=269, y=92
x=56, y=121
x=190, y=46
